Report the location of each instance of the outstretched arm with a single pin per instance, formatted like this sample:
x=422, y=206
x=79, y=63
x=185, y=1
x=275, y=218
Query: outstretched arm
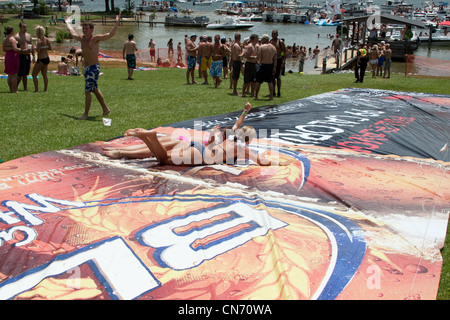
x=241, y=118
x=72, y=32
x=106, y=36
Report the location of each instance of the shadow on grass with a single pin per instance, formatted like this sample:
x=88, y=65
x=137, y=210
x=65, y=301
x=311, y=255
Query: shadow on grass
x=90, y=118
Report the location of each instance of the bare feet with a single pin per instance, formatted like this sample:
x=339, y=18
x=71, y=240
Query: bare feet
x=83, y=117
x=116, y=154
x=105, y=113
x=133, y=132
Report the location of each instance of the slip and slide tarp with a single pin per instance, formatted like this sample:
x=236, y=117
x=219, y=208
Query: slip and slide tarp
x=361, y=211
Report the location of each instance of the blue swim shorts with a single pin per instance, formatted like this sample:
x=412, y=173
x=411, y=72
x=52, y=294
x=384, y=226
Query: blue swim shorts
x=216, y=68
x=91, y=74
x=191, y=61
x=131, y=60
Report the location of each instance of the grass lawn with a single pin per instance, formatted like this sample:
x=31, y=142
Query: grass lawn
x=37, y=122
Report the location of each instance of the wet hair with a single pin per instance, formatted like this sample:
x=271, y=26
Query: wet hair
x=130, y=36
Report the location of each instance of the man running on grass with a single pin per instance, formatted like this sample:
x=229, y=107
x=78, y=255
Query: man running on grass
x=90, y=47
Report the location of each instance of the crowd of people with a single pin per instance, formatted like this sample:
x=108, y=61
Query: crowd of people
x=254, y=60
x=20, y=53
x=257, y=59
x=378, y=57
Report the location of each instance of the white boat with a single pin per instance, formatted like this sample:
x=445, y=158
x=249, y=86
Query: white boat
x=152, y=7
x=394, y=5
x=202, y=3
x=438, y=38
x=231, y=8
x=229, y=23
x=27, y=5
x=186, y=21
x=250, y=17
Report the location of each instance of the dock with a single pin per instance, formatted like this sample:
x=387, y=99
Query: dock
x=136, y=21
x=326, y=61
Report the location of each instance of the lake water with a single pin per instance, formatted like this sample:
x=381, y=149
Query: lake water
x=300, y=34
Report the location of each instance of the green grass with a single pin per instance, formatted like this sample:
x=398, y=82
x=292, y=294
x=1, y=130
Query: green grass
x=38, y=122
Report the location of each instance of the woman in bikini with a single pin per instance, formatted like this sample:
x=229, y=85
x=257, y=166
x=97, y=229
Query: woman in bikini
x=194, y=153
x=43, y=45
x=141, y=151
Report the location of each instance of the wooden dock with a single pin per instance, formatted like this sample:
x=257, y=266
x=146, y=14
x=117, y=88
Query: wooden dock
x=136, y=21
x=326, y=61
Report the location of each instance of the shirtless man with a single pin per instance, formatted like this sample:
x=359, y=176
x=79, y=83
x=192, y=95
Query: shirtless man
x=219, y=50
x=236, y=51
x=204, y=52
x=387, y=62
x=128, y=53
x=191, y=52
x=63, y=68
x=90, y=47
x=336, y=45
x=24, y=40
x=267, y=56
x=250, y=54
x=281, y=56
x=152, y=46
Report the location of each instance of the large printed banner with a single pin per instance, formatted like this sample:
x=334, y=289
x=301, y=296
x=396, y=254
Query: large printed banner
x=360, y=212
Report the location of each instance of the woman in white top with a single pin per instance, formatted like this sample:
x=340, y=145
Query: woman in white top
x=43, y=45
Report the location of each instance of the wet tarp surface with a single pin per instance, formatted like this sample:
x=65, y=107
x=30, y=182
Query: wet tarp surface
x=360, y=212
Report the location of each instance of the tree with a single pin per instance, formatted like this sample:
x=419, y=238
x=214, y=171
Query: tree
x=107, y=6
x=129, y=6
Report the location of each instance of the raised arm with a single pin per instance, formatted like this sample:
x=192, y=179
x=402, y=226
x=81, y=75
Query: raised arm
x=110, y=34
x=241, y=118
x=72, y=32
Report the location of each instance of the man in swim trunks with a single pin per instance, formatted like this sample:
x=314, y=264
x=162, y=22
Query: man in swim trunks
x=204, y=50
x=236, y=51
x=90, y=47
x=128, y=53
x=191, y=51
x=24, y=40
x=281, y=57
x=267, y=56
x=152, y=46
x=219, y=50
x=250, y=55
x=387, y=63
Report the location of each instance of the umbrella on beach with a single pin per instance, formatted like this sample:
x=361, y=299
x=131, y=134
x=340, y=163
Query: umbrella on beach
x=445, y=23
